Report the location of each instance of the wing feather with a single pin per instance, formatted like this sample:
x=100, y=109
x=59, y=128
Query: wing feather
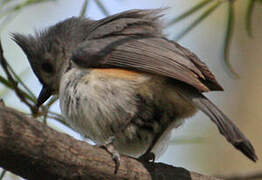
x=132, y=21
x=146, y=53
x=133, y=40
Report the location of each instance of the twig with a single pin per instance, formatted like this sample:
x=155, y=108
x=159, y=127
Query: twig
x=14, y=83
x=21, y=82
x=46, y=108
x=9, y=85
x=59, y=119
x=5, y=82
x=250, y=176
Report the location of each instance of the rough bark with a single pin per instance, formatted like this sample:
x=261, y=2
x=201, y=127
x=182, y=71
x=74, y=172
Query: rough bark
x=32, y=150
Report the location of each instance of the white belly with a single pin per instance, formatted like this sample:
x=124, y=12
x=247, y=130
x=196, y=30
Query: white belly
x=100, y=108
x=107, y=107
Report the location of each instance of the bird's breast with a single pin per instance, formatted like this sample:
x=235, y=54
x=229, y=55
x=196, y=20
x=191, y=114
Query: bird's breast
x=99, y=100
x=132, y=107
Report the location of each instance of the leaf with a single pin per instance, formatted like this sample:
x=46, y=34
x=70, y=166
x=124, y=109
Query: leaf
x=4, y=2
x=28, y=3
x=9, y=85
x=5, y=82
x=102, y=7
x=198, y=20
x=19, y=80
x=11, y=12
x=3, y=174
x=185, y=140
x=228, y=37
x=84, y=8
x=250, y=8
x=8, y=19
x=189, y=12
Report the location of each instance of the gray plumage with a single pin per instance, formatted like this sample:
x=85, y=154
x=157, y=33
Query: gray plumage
x=121, y=81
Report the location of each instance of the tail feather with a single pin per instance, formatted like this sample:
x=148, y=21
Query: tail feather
x=226, y=127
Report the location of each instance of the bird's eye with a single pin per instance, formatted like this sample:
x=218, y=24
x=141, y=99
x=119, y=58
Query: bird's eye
x=47, y=67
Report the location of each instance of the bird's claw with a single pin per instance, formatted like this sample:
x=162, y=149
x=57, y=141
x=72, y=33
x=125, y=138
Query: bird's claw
x=116, y=158
x=147, y=157
x=115, y=155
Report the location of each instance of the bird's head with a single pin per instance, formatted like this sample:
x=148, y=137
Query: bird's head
x=50, y=51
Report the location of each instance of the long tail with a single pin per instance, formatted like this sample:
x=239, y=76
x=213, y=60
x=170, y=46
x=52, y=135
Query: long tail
x=226, y=127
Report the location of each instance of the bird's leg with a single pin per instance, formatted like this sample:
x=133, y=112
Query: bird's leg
x=147, y=157
x=115, y=154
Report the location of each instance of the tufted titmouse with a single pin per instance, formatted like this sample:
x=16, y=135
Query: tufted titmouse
x=122, y=84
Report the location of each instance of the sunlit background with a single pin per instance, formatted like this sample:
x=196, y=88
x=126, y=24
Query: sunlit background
x=197, y=145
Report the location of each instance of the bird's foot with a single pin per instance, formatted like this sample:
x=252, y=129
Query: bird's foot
x=147, y=157
x=115, y=154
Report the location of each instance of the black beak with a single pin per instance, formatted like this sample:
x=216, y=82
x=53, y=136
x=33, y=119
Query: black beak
x=43, y=96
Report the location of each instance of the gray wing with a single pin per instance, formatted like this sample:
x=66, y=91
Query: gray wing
x=133, y=40
x=145, y=53
x=127, y=22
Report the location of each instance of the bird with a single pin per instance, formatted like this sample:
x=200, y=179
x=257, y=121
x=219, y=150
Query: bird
x=123, y=84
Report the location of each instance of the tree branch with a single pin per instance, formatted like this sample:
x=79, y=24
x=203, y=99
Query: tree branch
x=32, y=150
x=247, y=176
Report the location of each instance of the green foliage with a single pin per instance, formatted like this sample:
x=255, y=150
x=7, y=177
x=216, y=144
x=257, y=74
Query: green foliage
x=198, y=20
x=185, y=140
x=211, y=6
x=250, y=10
x=2, y=175
x=189, y=12
x=10, y=8
x=102, y=7
x=228, y=36
x=84, y=8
